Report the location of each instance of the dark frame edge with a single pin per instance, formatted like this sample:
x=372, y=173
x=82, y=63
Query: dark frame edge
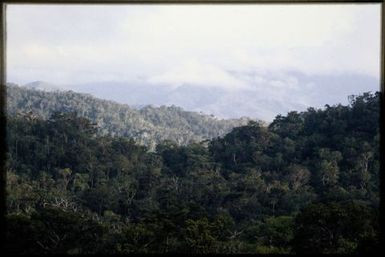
x=3, y=119
x=382, y=131
x=190, y=1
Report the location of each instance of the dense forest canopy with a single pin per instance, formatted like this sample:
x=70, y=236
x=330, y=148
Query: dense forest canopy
x=307, y=183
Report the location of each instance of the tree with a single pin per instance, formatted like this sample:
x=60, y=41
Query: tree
x=199, y=237
x=327, y=167
x=334, y=228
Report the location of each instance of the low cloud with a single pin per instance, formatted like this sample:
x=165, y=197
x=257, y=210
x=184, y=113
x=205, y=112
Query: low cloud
x=231, y=60
x=199, y=74
x=152, y=40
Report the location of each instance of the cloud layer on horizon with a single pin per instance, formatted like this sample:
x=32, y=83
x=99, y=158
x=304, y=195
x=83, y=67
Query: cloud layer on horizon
x=238, y=54
x=72, y=44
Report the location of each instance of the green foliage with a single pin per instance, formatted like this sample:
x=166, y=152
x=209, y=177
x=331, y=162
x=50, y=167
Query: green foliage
x=334, y=228
x=51, y=231
x=148, y=126
x=284, y=188
x=199, y=238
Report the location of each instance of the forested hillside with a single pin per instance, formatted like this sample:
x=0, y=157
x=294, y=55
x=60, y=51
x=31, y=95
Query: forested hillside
x=147, y=126
x=307, y=183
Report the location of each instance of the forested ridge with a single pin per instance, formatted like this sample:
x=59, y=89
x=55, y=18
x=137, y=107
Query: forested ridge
x=307, y=183
x=147, y=126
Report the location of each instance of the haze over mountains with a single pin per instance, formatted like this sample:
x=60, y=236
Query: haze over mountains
x=260, y=96
x=227, y=60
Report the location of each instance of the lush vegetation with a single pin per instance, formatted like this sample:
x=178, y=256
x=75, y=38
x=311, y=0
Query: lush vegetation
x=147, y=126
x=309, y=182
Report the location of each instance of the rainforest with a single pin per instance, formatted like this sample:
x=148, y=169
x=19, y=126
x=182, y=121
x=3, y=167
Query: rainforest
x=308, y=182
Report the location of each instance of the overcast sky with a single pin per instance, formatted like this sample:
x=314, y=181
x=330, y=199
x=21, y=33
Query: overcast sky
x=195, y=44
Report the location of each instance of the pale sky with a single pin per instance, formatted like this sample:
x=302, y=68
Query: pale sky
x=253, y=60
x=196, y=44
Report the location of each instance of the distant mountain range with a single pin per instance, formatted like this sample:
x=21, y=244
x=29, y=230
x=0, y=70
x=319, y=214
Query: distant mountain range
x=265, y=96
x=44, y=86
x=148, y=125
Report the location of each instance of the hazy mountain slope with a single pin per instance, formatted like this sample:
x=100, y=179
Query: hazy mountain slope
x=44, y=86
x=266, y=94
x=149, y=125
